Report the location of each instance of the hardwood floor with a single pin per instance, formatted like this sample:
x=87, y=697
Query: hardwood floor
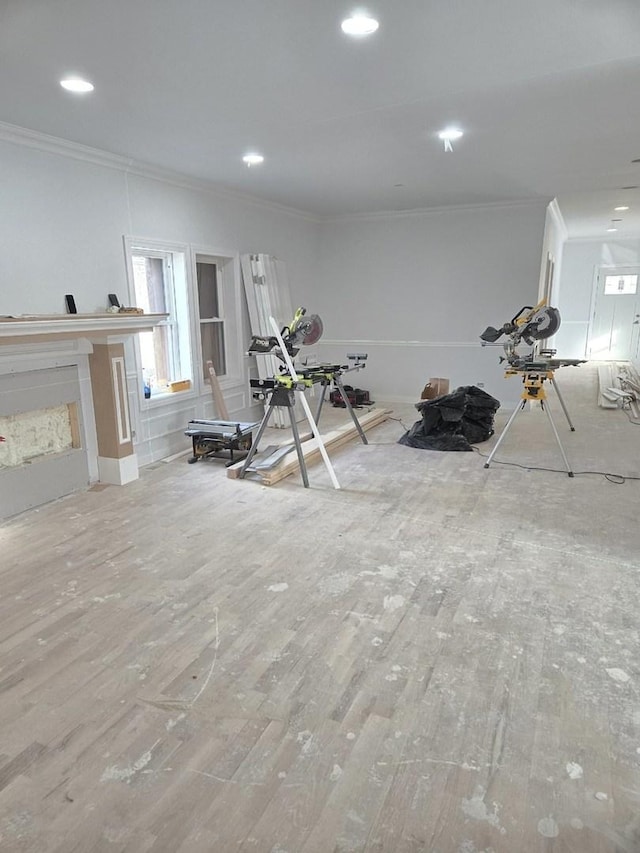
x=435, y=658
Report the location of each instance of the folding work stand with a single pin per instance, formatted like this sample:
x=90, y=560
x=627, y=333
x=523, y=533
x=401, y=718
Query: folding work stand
x=533, y=390
x=325, y=374
x=285, y=397
x=281, y=395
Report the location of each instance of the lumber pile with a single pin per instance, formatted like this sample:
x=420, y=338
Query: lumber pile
x=619, y=388
x=288, y=464
x=609, y=386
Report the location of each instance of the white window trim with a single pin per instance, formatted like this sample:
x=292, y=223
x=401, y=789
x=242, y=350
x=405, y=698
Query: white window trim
x=131, y=243
x=235, y=354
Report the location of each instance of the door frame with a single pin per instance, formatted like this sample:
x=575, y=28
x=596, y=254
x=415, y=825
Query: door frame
x=597, y=269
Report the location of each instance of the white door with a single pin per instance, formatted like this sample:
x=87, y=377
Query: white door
x=615, y=330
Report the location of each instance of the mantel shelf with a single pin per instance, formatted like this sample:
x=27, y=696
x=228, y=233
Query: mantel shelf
x=68, y=326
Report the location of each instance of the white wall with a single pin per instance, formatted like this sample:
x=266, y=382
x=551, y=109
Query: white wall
x=413, y=289
x=581, y=259
x=416, y=290
x=63, y=215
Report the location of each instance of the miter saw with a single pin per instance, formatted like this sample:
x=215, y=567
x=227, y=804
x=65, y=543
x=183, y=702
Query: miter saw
x=303, y=330
x=279, y=390
x=532, y=324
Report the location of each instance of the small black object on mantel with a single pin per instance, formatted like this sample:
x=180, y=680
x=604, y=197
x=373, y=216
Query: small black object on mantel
x=71, y=304
x=114, y=301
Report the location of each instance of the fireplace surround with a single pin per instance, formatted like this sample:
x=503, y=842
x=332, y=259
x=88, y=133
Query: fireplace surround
x=64, y=412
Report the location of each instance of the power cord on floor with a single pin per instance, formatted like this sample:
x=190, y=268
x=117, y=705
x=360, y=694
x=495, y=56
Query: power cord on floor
x=616, y=479
x=381, y=443
x=400, y=421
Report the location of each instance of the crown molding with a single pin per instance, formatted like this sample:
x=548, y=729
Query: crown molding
x=26, y=137
x=627, y=238
x=542, y=203
x=40, y=141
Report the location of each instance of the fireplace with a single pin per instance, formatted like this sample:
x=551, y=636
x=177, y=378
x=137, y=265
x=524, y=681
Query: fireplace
x=64, y=413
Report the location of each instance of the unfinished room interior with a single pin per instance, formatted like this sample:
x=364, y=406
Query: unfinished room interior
x=319, y=409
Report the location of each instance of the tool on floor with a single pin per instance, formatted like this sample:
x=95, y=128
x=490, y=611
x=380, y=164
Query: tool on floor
x=220, y=439
x=532, y=324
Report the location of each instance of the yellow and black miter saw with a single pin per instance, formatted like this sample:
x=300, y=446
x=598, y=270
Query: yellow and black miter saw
x=532, y=323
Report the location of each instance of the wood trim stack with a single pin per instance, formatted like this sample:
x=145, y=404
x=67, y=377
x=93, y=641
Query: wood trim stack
x=332, y=441
x=218, y=398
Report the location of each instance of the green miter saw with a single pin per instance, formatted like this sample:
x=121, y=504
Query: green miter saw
x=303, y=330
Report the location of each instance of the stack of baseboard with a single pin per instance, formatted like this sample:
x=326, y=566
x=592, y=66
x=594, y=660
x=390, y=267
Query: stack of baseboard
x=285, y=465
x=630, y=381
x=610, y=393
x=619, y=387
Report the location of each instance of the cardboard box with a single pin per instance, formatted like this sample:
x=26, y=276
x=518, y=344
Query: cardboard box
x=435, y=387
x=182, y=385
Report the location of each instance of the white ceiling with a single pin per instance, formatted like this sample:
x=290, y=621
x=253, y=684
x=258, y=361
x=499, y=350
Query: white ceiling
x=545, y=91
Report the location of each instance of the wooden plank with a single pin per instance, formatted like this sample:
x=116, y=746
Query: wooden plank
x=74, y=423
x=332, y=440
x=335, y=438
x=605, y=380
x=273, y=459
x=218, y=398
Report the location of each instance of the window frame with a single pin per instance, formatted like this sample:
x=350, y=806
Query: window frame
x=230, y=308
x=622, y=292
x=167, y=252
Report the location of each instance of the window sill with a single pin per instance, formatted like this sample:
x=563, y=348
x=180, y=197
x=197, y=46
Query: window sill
x=167, y=397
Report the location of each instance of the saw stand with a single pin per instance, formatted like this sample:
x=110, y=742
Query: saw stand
x=285, y=397
x=325, y=375
x=533, y=390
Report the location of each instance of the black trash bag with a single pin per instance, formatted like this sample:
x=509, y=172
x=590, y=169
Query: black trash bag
x=453, y=421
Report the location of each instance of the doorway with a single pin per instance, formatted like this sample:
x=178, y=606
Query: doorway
x=615, y=325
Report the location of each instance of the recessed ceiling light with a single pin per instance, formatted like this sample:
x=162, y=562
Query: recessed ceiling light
x=449, y=134
x=359, y=25
x=622, y=207
x=612, y=229
x=77, y=85
x=253, y=159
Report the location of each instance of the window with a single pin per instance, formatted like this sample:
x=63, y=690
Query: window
x=160, y=287
x=210, y=275
x=620, y=284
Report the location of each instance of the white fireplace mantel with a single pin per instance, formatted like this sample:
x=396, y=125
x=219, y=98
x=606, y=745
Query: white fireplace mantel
x=35, y=351
x=94, y=327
